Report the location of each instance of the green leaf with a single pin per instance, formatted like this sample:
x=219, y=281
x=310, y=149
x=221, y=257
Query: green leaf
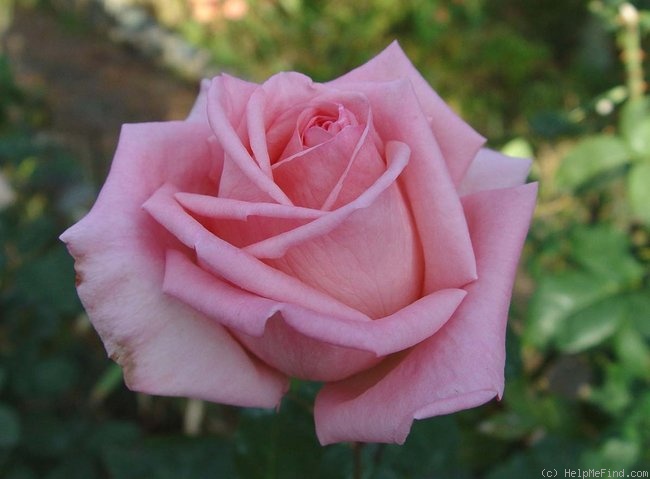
x=557, y=299
x=54, y=376
x=48, y=282
x=639, y=190
x=635, y=126
x=550, y=453
x=591, y=157
x=171, y=458
x=580, y=308
x=590, y=326
x=606, y=251
x=507, y=425
x=277, y=445
x=633, y=352
x=614, y=454
x=638, y=312
x=431, y=450
x=518, y=147
x=614, y=395
x=10, y=430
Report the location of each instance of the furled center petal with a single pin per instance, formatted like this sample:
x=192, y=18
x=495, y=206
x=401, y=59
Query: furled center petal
x=318, y=125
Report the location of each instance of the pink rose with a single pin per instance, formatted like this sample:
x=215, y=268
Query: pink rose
x=352, y=232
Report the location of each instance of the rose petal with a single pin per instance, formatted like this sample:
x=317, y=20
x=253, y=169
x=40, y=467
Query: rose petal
x=458, y=142
x=398, y=158
x=372, y=261
x=465, y=359
x=318, y=341
x=199, y=111
x=285, y=96
x=163, y=346
x=255, y=322
x=234, y=264
x=241, y=223
x=374, y=232
x=237, y=158
x=431, y=195
x=491, y=170
x=309, y=177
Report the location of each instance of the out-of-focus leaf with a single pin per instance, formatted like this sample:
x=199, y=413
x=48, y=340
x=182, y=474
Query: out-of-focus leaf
x=54, y=376
x=546, y=412
x=46, y=436
x=639, y=190
x=633, y=352
x=518, y=147
x=172, y=458
x=638, y=312
x=635, y=126
x=605, y=251
x=591, y=157
x=590, y=326
x=551, y=453
x=76, y=466
x=614, y=454
x=20, y=472
x=639, y=139
x=557, y=299
x=277, y=445
x=614, y=395
x=49, y=282
x=431, y=450
x=107, y=383
x=10, y=430
x=580, y=308
x=112, y=433
x=507, y=425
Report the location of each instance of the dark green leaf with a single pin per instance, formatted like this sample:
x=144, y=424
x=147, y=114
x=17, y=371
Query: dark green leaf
x=171, y=458
x=278, y=445
x=49, y=282
x=75, y=466
x=10, y=430
x=431, y=450
x=54, y=376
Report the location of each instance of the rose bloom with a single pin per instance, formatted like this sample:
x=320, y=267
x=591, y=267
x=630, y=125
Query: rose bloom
x=353, y=233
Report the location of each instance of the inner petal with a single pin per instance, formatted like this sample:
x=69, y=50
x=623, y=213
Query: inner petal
x=319, y=124
x=372, y=262
x=309, y=176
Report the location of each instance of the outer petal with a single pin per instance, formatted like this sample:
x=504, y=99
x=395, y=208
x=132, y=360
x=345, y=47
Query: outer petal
x=199, y=112
x=461, y=366
x=164, y=347
x=458, y=141
x=314, y=346
x=491, y=170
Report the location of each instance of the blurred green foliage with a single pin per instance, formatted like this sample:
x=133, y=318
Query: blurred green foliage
x=537, y=77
